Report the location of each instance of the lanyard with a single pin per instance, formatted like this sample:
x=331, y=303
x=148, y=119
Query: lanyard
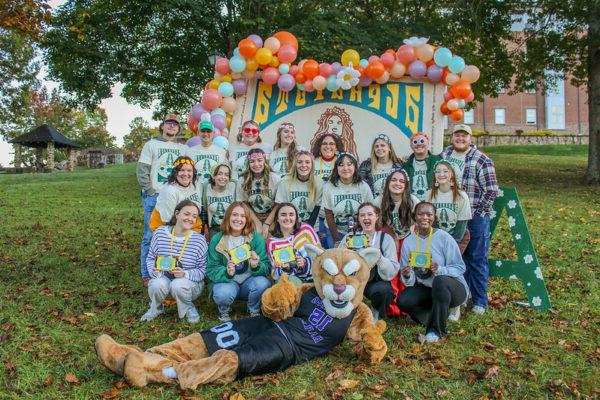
x=428, y=241
x=184, y=244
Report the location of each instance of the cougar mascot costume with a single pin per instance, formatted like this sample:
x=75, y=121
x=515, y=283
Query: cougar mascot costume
x=299, y=323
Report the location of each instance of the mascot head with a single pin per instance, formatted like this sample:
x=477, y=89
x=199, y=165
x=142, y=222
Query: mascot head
x=340, y=276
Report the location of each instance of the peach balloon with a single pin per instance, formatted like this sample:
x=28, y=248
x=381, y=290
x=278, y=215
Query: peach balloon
x=397, y=70
x=229, y=104
x=319, y=83
x=425, y=52
x=451, y=79
x=272, y=44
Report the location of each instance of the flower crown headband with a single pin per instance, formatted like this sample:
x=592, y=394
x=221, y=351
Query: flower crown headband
x=177, y=163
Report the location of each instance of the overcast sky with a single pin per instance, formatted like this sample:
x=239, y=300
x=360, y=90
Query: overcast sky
x=119, y=112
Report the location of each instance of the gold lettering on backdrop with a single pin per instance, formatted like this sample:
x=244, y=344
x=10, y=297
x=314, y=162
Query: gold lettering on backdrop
x=338, y=94
x=391, y=101
x=282, y=100
x=355, y=94
x=374, y=94
x=300, y=98
x=263, y=96
x=319, y=95
x=413, y=95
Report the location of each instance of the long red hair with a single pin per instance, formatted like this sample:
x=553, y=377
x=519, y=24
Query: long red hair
x=249, y=228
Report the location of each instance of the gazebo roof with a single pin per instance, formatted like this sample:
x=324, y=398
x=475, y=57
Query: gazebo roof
x=40, y=136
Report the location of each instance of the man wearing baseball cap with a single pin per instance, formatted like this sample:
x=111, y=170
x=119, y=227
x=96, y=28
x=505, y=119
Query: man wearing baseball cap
x=205, y=154
x=479, y=181
x=420, y=164
x=153, y=169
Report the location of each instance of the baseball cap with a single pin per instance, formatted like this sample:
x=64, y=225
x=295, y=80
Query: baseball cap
x=462, y=128
x=206, y=125
x=171, y=117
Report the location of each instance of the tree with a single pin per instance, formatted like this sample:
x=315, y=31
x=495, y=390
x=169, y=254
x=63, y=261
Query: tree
x=139, y=133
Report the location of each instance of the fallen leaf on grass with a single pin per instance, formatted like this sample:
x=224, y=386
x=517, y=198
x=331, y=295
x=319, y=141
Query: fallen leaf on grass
x=72, y=379
x=334, y=375
x=111, y=393
x=48, y=381
x=348, y=384
x=120, y=384
x=236, y=396
x=441, y=393
x=491, y=372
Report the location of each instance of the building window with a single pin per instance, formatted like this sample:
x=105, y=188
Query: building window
x=530, y=116
x=500, y=116
x=445, y=122
x=469, y=117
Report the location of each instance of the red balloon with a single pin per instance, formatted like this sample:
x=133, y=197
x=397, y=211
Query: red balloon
x=300, y=77
x=287, y=54
x=388, y=59
x=448, y=96
x=287, y=38
x=247, y=48
x=406, y=54
x=457, y=115
x=270, y=75
x=310, y=69
x=375, y=69
x=325, y=69
x=293, y=70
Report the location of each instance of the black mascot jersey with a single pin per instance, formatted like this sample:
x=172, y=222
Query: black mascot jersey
x=265, y=346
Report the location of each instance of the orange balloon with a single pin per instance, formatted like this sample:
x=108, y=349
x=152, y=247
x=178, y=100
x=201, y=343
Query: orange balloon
x=300, y=77
x=375, y=69
x=457, y=115
x=360, y=69
x=444, y=109
x=247, y=48
x=287, y=38
x=310, y=69
x=461, y=90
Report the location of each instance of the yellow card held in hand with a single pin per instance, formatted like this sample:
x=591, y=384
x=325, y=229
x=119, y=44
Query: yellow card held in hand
x=357, y=241
x=165, y=263
x=284, y=255
x=240, y=254
x=420, y=260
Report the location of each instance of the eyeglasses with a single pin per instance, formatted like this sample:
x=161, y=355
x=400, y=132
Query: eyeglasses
x=382, y=136
x=416, y=141
x=172, y=123
x=205, y=131
x=252, y=131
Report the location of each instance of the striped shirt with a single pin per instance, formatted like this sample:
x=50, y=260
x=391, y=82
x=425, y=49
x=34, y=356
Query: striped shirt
x=478, y=180
x=305, y=235
x=194, y=257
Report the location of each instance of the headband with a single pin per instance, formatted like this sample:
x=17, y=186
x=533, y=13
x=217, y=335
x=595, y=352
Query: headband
x=450, y=164
x=255, y=154
x=403, y=172
x=343, y=153
x=178, y=162
x=287, y=125
x=384, y=137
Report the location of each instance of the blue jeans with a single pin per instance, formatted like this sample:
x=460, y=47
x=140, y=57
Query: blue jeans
x=148, y=203
x=224, y=294
x=476, y=259
x=325, y=235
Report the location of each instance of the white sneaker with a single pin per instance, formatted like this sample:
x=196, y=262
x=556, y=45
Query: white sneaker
x=454, y=314
x=151, y=314
x=432, y=337
x=375, y=314
x=192, y=315
x=224, y=317
x=478, y=310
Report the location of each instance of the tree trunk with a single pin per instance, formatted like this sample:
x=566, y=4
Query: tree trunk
x=592, y=176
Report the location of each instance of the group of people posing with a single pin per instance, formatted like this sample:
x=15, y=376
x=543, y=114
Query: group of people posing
x=242, y=218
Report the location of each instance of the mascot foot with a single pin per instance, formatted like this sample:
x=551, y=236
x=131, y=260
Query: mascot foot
x=112, y=354
x=141, y=369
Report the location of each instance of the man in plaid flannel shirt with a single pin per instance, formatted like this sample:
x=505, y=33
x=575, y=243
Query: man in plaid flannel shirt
x=479, y=181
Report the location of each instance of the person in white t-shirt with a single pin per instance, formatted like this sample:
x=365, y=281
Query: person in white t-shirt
x=342, y=195
x=153, y=169
x=205, y=154
x=420, y=163
x=248, y=139
x=284, y=150
x=219, y=193
x=182, y=184
x=302, y=188
x=257, y=187
x=453, y=209
x=377, y=168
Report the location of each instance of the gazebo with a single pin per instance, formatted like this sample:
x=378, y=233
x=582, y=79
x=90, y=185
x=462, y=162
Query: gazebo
x=44, y=136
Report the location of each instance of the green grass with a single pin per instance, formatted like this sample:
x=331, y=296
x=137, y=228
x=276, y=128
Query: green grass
x=69, y=247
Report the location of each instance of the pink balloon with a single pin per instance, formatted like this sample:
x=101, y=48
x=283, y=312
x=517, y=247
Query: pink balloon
x=222, y=66
x=470, y=97
x=372, y=58
x=448, y=96
x=293, y=70
x=325, y=70
x=387, y=59
x=451, y=79
x=308, y=86
x=406, y=54
x=270, y=75
x=287, y=54
x=319, y=83
x=211, y=99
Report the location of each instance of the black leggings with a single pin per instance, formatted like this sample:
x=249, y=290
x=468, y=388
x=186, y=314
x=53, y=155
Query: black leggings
x=429, y=306
x=381, y=295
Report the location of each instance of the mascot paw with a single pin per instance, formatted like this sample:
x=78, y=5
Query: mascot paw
x=112, y=354
x=374, y=347
x=141, y=369
x=279, y=301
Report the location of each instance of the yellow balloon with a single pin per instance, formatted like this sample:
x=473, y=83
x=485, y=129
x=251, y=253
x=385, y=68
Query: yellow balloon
x=214, y=84
x=226, y=78
x=274, y=62
x=350, y=56
x=263, y=56
x=251, y=64
x=228, y=120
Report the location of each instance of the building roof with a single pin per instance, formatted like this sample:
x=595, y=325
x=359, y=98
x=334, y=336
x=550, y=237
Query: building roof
x=42, y=135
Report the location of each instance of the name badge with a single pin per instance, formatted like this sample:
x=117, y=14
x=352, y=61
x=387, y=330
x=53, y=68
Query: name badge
x=166, y=263
x=420, y=260
x=356, y=242
x=240, y=254
x=284, y=255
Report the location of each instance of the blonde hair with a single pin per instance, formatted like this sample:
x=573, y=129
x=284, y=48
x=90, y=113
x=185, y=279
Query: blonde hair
x=253, y=122
x=393, y=157
x=312, y=186
x=248, y=175
x=291, y=148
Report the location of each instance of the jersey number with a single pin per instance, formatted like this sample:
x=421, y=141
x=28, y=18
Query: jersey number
x=226, y=337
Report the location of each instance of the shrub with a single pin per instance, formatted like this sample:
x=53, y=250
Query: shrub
x=539, y=133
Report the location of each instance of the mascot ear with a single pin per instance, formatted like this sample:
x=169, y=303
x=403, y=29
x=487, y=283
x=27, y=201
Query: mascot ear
x=371, y=255
x=313, y=251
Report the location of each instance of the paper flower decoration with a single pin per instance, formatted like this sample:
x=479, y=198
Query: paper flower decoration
x=416, y=41
x=348, y=77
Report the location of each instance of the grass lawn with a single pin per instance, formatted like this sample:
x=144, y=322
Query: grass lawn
x=69, y=247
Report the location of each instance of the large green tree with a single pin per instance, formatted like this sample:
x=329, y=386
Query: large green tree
x=139, y=133
x=159, y=49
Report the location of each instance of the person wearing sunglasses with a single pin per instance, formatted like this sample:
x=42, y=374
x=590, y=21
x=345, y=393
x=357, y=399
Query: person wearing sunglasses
x=420, y=164
x=284, y=150
x=152, y=171
x=257, y=187
x=205, y=154
x=383, y=160
x=247, y=139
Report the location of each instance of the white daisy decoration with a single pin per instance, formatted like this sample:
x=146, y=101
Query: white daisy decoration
x=498, y=263
x=536, y=301
x=500, y=193
x=518, y=236
x=528, y=283
x=512, y=204
x=538, y=273
x=511, y=221
x=493, y=214
x=528, y=258
x=348, y=77
x=513, y=277
x=416, y=41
